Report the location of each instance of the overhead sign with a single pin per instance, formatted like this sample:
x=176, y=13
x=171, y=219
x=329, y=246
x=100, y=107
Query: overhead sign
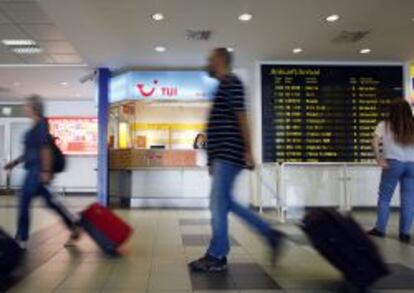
x=162, y=85
x=412, y=82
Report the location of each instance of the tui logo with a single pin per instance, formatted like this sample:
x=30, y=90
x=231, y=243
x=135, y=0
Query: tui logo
x=148, y=93
x=164, y=91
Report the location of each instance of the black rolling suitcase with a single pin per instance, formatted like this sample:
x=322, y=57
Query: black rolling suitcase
x=10, y=253
x=346, y=246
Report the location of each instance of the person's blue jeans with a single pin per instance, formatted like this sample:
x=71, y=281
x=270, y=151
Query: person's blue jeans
x=403, y=173
x=222, y=202
x=32, y=186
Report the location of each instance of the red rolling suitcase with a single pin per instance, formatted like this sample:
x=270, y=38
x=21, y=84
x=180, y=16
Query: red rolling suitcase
x=107, y=229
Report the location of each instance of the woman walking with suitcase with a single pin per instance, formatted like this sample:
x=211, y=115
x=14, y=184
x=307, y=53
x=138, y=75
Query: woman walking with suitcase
x=397, y=162
x=38, y=162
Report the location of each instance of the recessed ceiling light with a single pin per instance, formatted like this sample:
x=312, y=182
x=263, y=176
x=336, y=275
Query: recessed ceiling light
x=157, y=16
x=64, y=83
x=297, y=50
x=365, y=51
x=160, y=49
x=16, y=83
x=27, y=50
x=245, y=17
x=333, y=18
x=18, y=42
x=230, y=49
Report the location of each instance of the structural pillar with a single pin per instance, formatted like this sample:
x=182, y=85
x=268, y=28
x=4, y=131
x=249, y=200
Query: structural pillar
x=103, y=154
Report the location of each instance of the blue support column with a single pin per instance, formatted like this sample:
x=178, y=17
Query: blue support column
x=103, y=154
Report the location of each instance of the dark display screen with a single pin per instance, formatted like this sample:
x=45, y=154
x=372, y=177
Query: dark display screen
x=324, y=113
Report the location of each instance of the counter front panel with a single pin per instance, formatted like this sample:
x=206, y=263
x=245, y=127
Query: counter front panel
x=135, y=158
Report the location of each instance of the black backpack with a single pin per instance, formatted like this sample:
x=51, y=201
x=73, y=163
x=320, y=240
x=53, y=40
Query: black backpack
x=59, y=160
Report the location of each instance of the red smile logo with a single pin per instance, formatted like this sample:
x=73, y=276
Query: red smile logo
x=148, y=93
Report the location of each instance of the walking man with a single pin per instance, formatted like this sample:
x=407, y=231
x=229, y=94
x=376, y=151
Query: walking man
x=229, y=152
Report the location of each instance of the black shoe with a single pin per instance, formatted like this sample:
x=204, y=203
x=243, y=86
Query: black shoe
x=209, y=263
x=376, y=233
x=405, y=238
x=275, y=242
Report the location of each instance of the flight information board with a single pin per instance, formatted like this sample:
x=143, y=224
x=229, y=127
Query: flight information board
x=324, y=113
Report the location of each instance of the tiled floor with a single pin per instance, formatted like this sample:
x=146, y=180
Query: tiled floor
x=155, y=259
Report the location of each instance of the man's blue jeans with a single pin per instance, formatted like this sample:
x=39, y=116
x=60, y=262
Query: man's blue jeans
x=32, y=187
x=403, y=173
x=222, y=202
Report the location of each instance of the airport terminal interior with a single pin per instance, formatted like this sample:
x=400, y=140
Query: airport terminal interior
x=130, y=90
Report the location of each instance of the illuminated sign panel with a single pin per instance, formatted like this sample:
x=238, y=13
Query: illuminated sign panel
x=75, y=136
x=324, y=113
x=162, y=85
x=412, y=83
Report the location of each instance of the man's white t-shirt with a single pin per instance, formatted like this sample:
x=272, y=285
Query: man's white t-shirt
x=392, y=149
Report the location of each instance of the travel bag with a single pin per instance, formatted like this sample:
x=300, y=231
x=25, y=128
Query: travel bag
x=345, y=245
x=10, y=253
x=107, y=229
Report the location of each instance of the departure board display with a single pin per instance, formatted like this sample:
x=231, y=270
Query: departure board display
x=324, y=113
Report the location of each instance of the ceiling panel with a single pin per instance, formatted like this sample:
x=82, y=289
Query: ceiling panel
x=58, y=47
x=4, y=19
x=37, y=59
x=66, y=58
x=25, y=12
x=10, y=31
x=46, y=82
x=44, y=32
x=9, y=58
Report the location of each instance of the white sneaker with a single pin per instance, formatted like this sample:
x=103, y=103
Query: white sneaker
x=22, y=244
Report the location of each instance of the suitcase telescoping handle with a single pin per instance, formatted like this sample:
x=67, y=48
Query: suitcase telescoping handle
x=309, y=216
x=300, y=224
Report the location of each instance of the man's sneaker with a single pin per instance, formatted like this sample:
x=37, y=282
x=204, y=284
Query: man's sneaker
x=22, y=244
x=275, y=240
x=209, y=263
x=405, y=238
x=376, y=233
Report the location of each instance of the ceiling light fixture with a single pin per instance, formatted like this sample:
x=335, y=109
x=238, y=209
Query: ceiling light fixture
x=160, y=49
x=16, y=83
x=333, y=18
x=64, y=83
x=27, y=50
x=230, y=49
x=365, y=51
x=18, y=42
x=245, y=17
x=297, y=50
x=157, y=16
